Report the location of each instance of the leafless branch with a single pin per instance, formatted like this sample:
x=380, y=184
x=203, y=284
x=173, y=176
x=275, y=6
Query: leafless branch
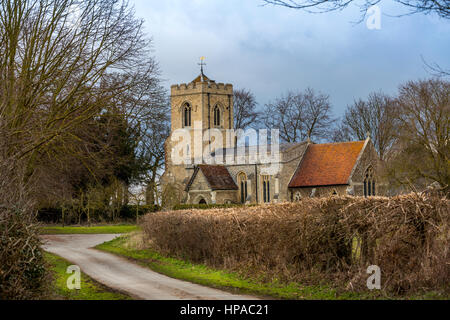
x=438, y=7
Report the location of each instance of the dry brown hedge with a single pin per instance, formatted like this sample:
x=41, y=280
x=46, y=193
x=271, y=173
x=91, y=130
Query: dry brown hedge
x=317, y=239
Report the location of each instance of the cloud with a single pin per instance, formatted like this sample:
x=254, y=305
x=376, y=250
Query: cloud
x=271, y=50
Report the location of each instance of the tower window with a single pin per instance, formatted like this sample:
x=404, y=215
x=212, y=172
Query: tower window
x=187, y=115
x=216, y=116
x=369, y=183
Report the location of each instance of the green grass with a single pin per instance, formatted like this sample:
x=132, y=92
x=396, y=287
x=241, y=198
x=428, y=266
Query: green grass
x=90, y=289
x=108, y=229
x=221, y=279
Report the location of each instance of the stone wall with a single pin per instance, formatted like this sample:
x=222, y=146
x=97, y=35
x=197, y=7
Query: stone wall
x=226, y=196
x=200, y=182
x=296, y=194
x=213, y=197
x=369, y=158
x=290, y=162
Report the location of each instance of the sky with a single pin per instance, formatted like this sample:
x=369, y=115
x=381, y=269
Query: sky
x=272, y=50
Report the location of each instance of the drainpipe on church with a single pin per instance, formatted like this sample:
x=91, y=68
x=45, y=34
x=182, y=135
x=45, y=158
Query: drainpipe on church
x=229, y=111
x=209, y=122
x=209, y=110
x=256, y=183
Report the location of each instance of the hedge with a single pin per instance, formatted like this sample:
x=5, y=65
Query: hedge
x=333, y=240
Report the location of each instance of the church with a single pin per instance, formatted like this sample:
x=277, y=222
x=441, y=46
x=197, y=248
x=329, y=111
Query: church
x=296, y=171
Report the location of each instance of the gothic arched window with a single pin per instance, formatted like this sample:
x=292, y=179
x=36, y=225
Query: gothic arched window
x=266, y=188
x=297, y=197
x=216, y=116
x=187, y=115
x=369, y=183
x=243, y=188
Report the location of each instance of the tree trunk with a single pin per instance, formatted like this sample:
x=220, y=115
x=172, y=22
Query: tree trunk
x=63, y=216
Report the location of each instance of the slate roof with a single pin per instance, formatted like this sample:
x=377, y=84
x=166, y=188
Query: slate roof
x=218, y=177
x=327, y=164
x=254, y=150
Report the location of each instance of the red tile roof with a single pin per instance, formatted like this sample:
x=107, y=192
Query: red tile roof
x=327, y=164
x=218, y=177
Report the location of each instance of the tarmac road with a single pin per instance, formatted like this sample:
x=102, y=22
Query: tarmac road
x=120, y=274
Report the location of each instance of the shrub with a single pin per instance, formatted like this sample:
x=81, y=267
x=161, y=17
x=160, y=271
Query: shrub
x=72, y=215
x=129, y=211
x=314, y=240
x=22, y=268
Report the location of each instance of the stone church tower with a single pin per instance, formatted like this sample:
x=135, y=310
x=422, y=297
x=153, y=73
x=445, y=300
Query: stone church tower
x=198, y=106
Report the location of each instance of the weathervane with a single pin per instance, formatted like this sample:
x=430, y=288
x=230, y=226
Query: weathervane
x=201, y=64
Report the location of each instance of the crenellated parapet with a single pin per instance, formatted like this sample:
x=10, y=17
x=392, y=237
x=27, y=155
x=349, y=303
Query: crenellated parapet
x=201, y=87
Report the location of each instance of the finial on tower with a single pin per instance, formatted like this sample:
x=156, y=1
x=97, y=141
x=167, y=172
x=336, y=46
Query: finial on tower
x=201, y=64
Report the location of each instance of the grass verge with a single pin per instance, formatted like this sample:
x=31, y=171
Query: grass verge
x=221, y=279
x=90, y=289
x=108, y=229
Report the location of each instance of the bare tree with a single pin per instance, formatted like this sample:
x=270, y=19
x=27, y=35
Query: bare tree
x=435, y=69
x=147, y=109
x=55, y=55
x=439, y=7
x=153, y=156
x=300, y=116
x=423, y=152
x=245, y=114
x=55, y=59
x=122, y=146
x=65, y=65
x=375, y=116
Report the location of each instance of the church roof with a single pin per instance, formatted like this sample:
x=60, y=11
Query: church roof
x=202, y=78
x=327, y=164
x=218, y=177
x=254, y=149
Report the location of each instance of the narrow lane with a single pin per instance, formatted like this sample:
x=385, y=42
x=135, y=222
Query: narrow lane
x=121, y=274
